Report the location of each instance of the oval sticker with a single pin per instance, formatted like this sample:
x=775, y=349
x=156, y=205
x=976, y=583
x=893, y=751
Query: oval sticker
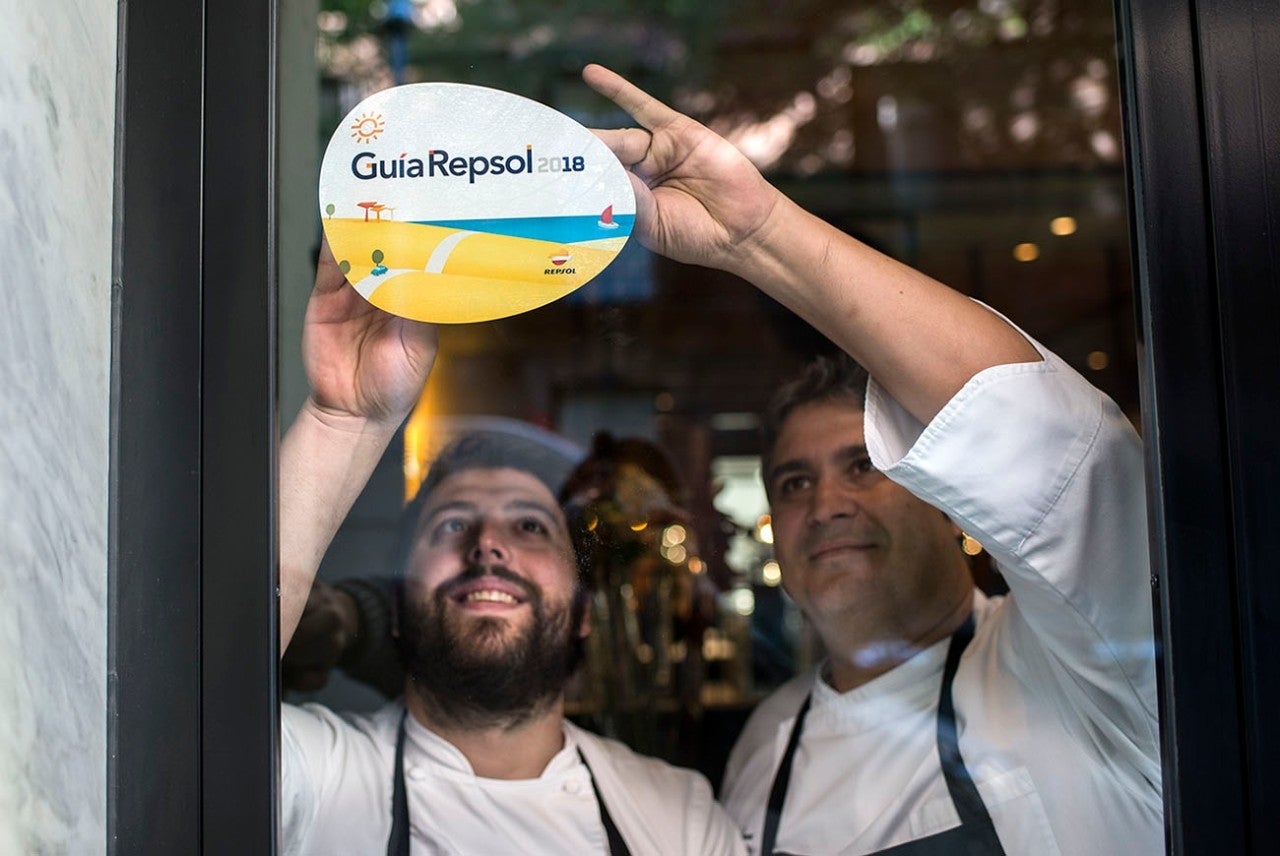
x=453, y=203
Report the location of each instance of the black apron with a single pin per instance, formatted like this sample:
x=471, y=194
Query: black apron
x=975, y=836
x=398, y=843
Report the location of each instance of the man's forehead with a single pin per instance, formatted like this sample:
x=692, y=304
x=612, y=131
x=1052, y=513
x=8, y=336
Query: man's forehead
x=818, y=426
x=484, y=487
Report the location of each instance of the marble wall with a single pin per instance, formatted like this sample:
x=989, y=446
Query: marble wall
x=57, y=91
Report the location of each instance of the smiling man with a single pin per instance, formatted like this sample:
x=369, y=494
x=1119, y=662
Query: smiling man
x=494, y=610
x=477, y=758
x=868, y=562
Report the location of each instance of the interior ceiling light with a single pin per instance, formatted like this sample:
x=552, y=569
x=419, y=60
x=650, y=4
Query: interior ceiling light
x=1026, y=252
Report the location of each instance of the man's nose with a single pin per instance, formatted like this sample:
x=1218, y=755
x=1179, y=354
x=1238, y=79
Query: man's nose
x=489, y=545
x=831, y=500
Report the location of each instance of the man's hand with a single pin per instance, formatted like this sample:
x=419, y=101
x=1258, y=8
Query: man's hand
x=698, y=198
x=361, y=361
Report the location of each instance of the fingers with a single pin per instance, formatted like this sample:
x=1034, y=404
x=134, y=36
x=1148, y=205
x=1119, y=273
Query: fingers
x=643, y=107
x=629, y=145
x=329, y=277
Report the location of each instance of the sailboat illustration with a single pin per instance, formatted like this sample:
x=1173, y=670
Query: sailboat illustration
x=606, y=219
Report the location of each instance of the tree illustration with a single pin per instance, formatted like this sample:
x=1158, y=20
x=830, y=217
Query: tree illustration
x=329, y=209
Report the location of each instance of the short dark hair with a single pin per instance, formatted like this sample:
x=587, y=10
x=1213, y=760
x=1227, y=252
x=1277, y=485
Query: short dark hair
x=608, y=454
x=825, y=378
x=478, y=450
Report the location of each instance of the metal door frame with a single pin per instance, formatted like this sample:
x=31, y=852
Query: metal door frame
x=192, y=706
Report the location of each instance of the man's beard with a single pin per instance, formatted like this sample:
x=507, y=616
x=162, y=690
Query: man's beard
x=473, y=672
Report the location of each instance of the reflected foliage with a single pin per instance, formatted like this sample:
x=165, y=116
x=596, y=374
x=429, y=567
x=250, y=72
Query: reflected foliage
x=802, y=87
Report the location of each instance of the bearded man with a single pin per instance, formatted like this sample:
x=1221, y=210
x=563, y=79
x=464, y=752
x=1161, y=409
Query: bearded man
x=477, y=757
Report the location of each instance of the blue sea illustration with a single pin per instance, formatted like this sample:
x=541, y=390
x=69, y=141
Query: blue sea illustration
x=561, y=230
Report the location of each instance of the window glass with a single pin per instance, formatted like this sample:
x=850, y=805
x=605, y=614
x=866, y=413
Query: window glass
x=978, y=142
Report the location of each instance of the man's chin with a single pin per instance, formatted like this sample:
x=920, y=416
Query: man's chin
x=487, y=632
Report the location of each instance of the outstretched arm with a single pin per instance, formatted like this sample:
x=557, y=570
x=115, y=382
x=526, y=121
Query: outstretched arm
x=366, y=369
x=699, y=200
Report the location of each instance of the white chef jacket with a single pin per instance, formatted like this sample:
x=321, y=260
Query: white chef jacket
x=1055, y=696
x=337, y=783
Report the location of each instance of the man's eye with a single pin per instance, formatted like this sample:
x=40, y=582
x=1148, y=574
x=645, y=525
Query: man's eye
x=791, y=484
x=533, y=527
x=452, y=526
x=864, y=465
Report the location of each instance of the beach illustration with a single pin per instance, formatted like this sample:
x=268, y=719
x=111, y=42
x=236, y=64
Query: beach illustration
x=473, y=270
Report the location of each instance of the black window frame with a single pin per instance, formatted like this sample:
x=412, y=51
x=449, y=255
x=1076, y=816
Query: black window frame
x=1202, y=120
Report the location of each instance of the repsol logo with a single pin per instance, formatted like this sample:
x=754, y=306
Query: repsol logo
x=368, y=166
x=559, y=271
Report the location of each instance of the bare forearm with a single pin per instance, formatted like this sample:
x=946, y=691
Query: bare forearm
x=920, y=339
x=325, y=462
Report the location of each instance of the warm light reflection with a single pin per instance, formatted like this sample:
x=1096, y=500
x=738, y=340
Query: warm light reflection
x=331, y=23
x=715, y=646
x=836, y=86
x=420, y=446
x=696, y=565
x=1097, y=360
x=887, y=112
x=1063, y=226
x=431, y=15
x=673, y=535
x=1105, y=145
x=969, y=544
x=663, y=402
x=771, y=573
x=1026, y=252
x=1024, y=127
x=841, y=149
x=743, y=601
x=764, y=529
x=640, y=526
x=765, y=141
x=675, y=555
x=1090, y=95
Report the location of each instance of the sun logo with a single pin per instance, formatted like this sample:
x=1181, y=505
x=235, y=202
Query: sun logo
x=367, y=128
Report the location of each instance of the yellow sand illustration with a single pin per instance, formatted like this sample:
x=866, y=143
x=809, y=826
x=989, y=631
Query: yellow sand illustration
x=434, y=274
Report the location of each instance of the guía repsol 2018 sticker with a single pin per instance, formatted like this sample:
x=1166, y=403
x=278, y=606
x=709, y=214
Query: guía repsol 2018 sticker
x=452, y=203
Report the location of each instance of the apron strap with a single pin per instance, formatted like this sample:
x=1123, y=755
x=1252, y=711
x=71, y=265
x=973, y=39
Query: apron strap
x=964, y=793
x=617, y=847
x=778, y=793
x=398, y=843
